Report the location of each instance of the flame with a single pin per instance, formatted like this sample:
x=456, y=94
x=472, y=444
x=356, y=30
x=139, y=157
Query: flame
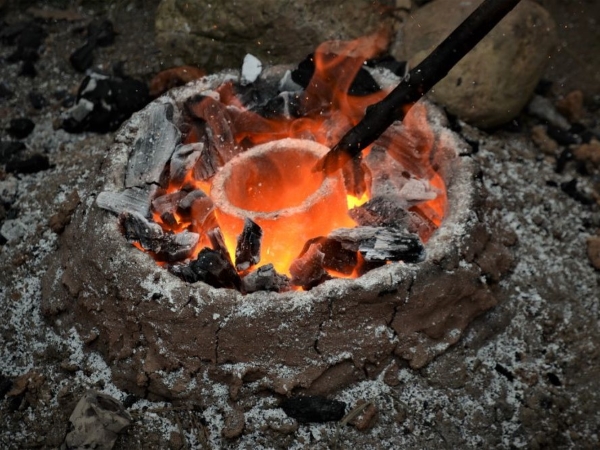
x=327, y=111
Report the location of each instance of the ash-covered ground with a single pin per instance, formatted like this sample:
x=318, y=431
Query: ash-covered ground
x=525, y=375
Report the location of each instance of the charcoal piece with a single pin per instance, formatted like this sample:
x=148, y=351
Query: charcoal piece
x=83, y=57
x=563, y=137
x=561, y=162
x=28, y=164
x=102, y=33
x=28, y=37
x=5, y=92
x=10, y=33
x=136, y=228
x=207, y=164
x=336, y=258
x=154, y=146
x=285, y=104
x=184, y=207
x=28, y=69
x=203, y=213
x=177, y=247
x=214, y=269
x=9, y=150
x=136, y=200
x=217, y=243
x=109, y=102
x=37, y=100
x=363, y=83
x=313, y=409
x=379, y=212
x=307, y=271
x=218, y=130
x=183, y=271
x=183, y=161
x=167, y=203
x=570, y=188
x=381, y=244
x=247, y=251
x=266, y=278
x=20, y=128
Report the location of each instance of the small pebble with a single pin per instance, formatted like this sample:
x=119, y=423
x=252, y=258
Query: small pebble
x=546, y=144
x=571, y=106
x=593, y=251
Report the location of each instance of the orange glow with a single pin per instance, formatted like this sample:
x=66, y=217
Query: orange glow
x=265, y=189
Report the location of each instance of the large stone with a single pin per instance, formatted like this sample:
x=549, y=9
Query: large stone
x=496, y=79
x=218, y=34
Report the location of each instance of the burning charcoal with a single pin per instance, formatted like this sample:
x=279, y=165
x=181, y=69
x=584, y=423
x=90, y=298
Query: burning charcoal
x=206, y=166
x=137, y=228
x=184, y=207
x=218, y=243
x=379, y=211
x=37, y=100
x=203, y=210
x=133, y=200
x=214, y=269
x=153, y=149
x=247, y=251
x=251, y=69
x=177, y=247
x=218, y=130
x=173, y=77
x=183, y=161
x=285, y=104
x=336, y=257
x=30, y=164
x=265, y=278
x=308, y=271
x=381, y=244
x=167, y=203
x=313, y=409
x=20, y=128
x=9, y=150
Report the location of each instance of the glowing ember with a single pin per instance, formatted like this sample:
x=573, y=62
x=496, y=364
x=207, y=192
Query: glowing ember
x=239, y=164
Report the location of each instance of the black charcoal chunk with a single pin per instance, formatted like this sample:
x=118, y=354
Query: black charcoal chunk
x=136, y=228
x=5, y=92
x=266, y=278
x=83, y=57
x=177, y=247
x=570, y=188
x=313, y=409
x=28, y=164
x=381, y=244
x=308, y=270
x=183, y=271
x=214, y=269
x=336, y=257
x=20, y=128
x=184, y=206
x=183, y=161
x=563, y=137
x=102, y=33
x=9, y=150
x=247, y=251
x=167, y=203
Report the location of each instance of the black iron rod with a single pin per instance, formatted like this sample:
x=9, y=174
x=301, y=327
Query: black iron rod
x=416, y=84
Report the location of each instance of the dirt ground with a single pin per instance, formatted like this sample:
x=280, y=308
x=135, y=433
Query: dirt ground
x=525, y=375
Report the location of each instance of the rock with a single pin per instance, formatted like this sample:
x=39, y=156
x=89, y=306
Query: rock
x=368, y=416
x=217, y=35
x=20, y=128
x=593, y=251
x=97, y=420
x=544, y=142
x=589, y=152
x=495, y=80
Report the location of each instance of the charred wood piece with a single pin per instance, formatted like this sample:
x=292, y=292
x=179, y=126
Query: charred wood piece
x=184, y=206
x=153, y=149
x=213, y=268
x=134, y=200
x=183, y=161
x=265, y=278
x=166, y=246
x=336, y=257
x=381, y=244
x=308, y=270
x=247, y=251
x=379, y=212
x=166, y=206
x=313, y=409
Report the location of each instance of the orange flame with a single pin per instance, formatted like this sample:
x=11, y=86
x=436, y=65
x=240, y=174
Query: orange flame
x=327, y=112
